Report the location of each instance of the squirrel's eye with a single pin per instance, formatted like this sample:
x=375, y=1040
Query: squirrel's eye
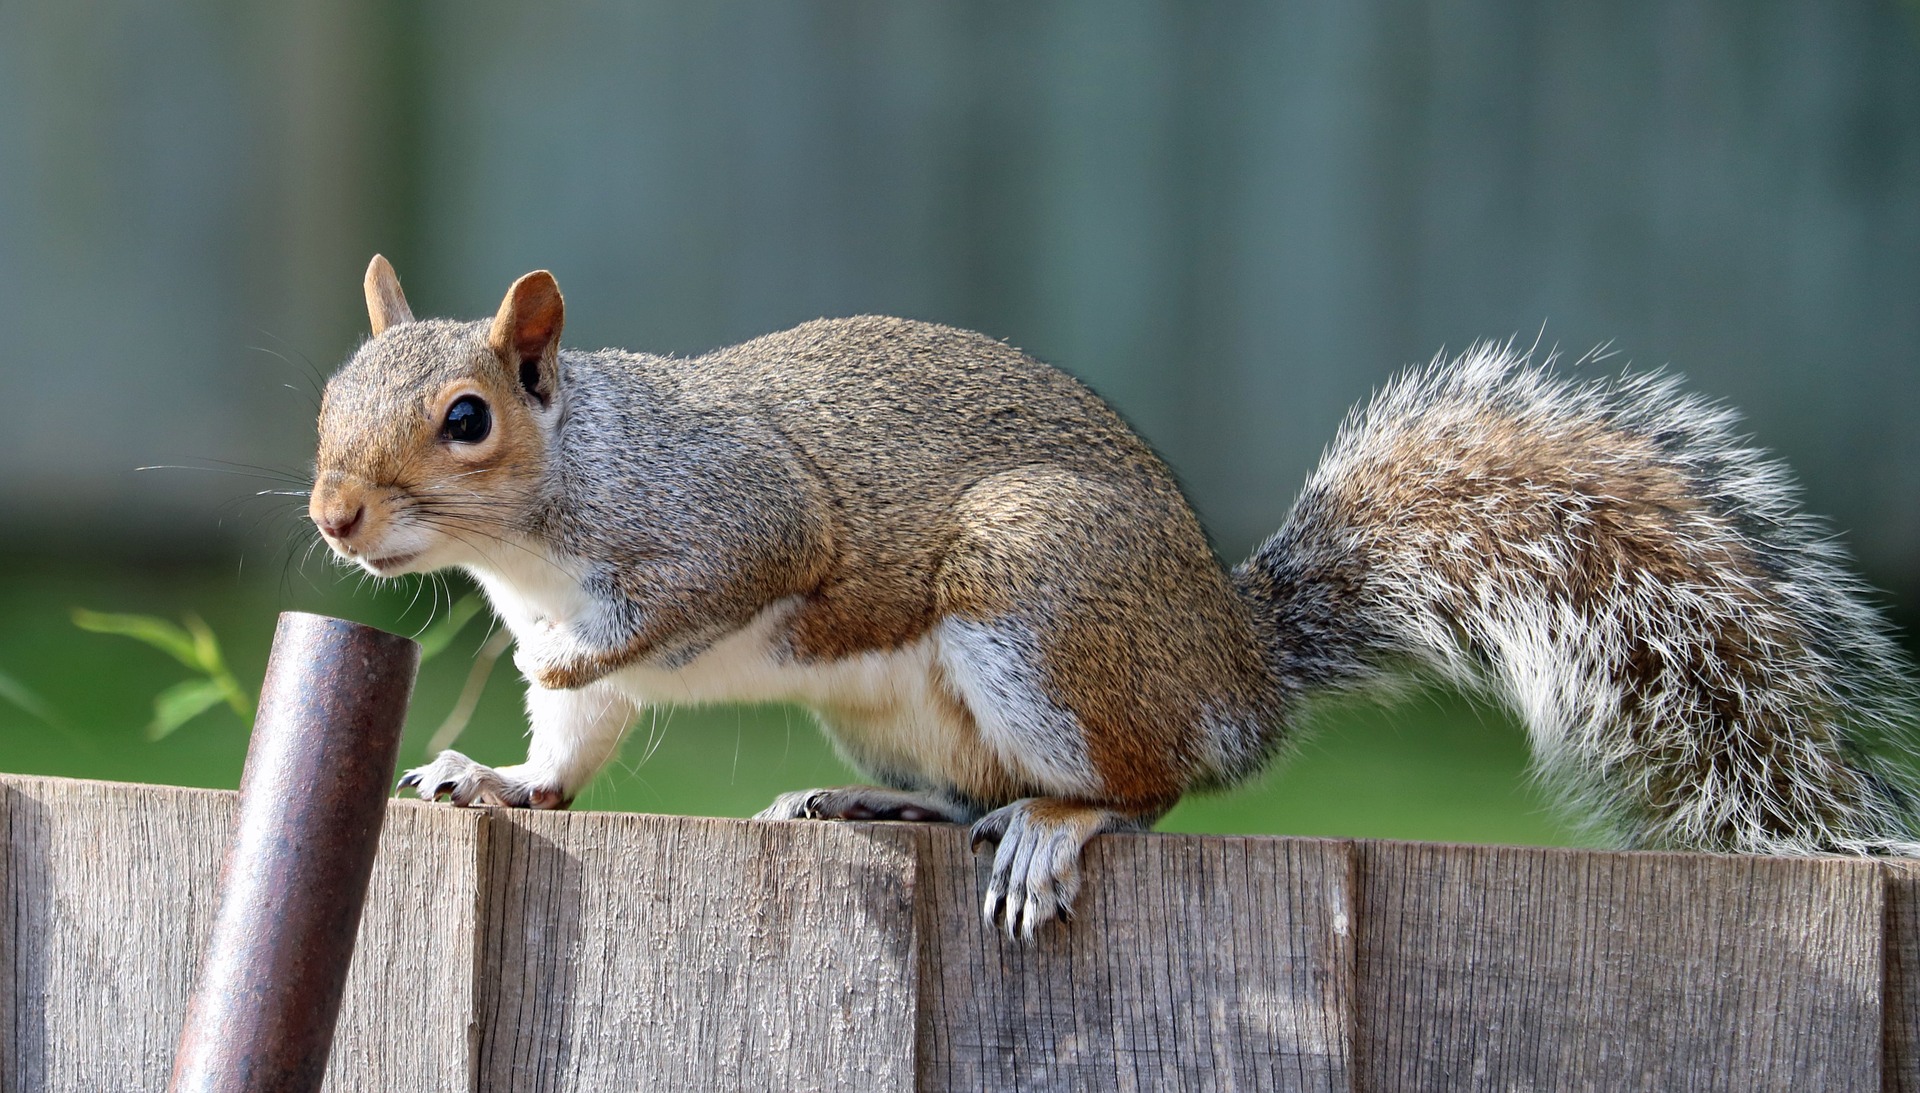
x=467, y=420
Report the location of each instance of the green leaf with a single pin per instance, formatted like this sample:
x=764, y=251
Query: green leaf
x=19, y=694
x=237, y=698
x=193, y=645
x=183, y=702
x=165, y=636
x=440, y=633
x=206, y=647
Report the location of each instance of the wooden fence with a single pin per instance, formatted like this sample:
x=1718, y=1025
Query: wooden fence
x=600, y=951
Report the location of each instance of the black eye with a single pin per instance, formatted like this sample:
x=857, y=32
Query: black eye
x=467, y=420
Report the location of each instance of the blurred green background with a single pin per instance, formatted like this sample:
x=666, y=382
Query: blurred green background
x=1429, y=767
x=1234, y=220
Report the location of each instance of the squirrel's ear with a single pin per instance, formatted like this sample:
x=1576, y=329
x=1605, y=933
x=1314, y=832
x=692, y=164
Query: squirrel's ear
x=386, y=304
x=526, y=333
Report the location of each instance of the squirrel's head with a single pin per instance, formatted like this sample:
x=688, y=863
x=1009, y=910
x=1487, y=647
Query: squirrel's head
x=433, y=436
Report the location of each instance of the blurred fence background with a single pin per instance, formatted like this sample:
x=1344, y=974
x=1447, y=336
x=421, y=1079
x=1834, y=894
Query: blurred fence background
x=1232, y=219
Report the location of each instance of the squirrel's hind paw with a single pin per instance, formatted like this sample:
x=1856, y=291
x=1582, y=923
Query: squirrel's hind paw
x=465, y=782
x=859, y=803
x=1036, y=867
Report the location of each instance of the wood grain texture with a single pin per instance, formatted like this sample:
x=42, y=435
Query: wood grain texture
x=407, y=1017
x=657, y=952
x=1901, y=1059
x=1516, y=968
x=11, y=934
x=1193, y=963
x=586, y=951
x=110, y=891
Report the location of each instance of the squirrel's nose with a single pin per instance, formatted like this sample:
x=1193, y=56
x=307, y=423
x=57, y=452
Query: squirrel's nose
x=338, y=528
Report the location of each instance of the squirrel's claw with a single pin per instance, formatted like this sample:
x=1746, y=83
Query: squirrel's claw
x=989, y=828
x=464, y=782
x=796, y=805
x=454, y=777
x=1036, y=866
x=858, y=803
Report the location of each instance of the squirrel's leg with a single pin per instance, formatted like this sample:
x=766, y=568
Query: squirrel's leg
x=863, y=803
x=1101, y=681
x=574, y=733
x=1036, y=866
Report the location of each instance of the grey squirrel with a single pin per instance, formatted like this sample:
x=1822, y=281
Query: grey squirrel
x=1004, y=612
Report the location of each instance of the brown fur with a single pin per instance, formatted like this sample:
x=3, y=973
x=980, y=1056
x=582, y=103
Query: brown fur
x=1006, y=489
x=1483, y=501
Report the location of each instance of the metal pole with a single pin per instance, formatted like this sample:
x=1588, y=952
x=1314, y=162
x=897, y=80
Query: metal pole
x=319, y=769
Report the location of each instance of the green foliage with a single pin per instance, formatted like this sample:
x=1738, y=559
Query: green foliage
x=193, y=644
x=183, y=702
x=18, y=694
x=1430, y=768
x=195, y=647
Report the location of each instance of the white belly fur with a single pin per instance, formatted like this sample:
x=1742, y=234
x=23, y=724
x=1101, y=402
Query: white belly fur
x=888, y=710
x=881, y=708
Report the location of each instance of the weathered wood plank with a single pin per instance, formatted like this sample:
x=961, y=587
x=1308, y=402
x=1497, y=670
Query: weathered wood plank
x=1901, y=998
x=1503, y=967
x=657, y=952
x=517, y=951
x=407, y=1017
x=110, y=892
x=1193, y=963
x=11, y=931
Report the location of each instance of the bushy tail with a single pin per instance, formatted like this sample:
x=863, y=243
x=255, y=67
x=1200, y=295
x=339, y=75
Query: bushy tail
x=1693, y=661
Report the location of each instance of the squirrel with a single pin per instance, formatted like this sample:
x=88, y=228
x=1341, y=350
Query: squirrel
x=1004, y=612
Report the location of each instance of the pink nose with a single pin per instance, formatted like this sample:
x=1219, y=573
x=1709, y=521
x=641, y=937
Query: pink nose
x=341, y=529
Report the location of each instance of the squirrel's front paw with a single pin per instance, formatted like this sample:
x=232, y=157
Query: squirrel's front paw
x=465, y=782
x=550, y=657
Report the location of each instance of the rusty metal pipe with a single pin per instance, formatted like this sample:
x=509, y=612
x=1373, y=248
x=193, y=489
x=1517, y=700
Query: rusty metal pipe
x=312, y=798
